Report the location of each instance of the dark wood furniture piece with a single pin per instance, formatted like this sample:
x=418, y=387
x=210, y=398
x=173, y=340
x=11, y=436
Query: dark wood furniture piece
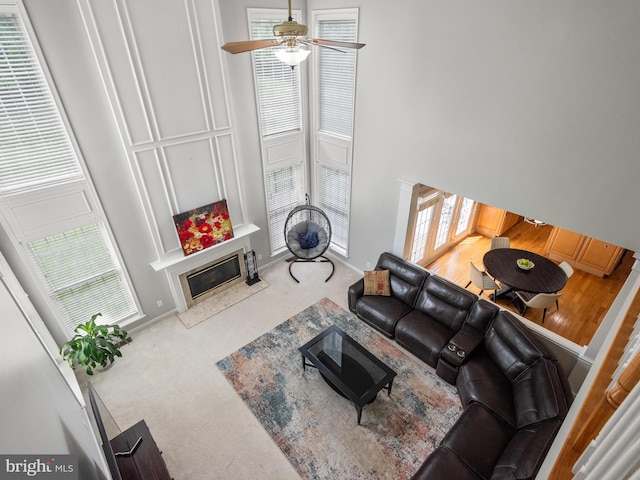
x=545, y=277
x=145, y=462
x=349, y=368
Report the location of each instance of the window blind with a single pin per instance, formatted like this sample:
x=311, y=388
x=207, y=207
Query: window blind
x=284, y=191
x=336, y=78
x=335, y=190
x=34, y=148
x=277, y=85
x=82, y=277
x=334, y=98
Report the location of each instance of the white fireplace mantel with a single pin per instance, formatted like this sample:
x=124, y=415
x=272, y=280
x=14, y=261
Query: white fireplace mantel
x=176, y=260
x=176, y=263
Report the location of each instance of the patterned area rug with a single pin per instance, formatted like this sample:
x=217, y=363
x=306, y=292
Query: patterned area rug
x=316, y=428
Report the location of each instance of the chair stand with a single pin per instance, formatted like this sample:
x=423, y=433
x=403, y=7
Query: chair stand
x=544, y=313
x=467, y=286
x=322, y=258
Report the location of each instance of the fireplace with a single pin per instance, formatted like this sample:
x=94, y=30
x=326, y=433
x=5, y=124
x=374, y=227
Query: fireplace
x=207, y=280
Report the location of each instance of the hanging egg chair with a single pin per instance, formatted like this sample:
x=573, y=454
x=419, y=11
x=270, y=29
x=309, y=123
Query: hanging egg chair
x=307, y=233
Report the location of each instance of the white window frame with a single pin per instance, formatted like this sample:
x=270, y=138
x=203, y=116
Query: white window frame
x=420, y=245
x=74, y=201
x=330, y=150
x=282, y=152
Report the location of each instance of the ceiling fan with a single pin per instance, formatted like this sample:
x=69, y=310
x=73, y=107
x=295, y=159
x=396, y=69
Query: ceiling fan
x=289, y=34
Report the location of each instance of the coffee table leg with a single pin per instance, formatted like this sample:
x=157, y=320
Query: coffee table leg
x=389, y=387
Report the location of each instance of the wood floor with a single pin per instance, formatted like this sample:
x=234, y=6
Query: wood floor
x=585, y=299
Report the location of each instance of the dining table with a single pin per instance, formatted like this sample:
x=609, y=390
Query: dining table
x=545, y=276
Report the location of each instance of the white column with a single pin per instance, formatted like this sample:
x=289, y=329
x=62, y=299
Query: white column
x=402, y=217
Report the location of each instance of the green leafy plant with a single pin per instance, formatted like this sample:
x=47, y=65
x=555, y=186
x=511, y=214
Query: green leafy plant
x=93, y=345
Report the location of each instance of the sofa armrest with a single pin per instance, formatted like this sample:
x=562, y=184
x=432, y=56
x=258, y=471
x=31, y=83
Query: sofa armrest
x=354, y=293
x=461, y=345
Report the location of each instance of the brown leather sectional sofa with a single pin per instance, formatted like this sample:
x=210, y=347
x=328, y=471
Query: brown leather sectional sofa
x=514, y=392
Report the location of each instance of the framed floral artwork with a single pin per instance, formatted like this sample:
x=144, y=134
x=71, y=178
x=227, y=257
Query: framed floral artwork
x=203, y=227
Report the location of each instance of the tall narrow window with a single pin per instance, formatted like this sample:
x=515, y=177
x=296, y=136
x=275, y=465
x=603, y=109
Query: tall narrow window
x=437, y=221
x=35, y=149
x=279, y=100
x=425, y=211
x=334, y=100
x=70, y=252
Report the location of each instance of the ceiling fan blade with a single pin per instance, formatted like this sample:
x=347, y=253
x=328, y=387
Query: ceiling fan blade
x=333, y=43
x=320, y=45
x=248, y=45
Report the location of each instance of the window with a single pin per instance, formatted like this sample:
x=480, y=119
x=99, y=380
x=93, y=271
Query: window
x=336, y=76
x=284, y=191
x=277, y=84
x=35, y=148
x=279, y=101
x=425, y=208
x=333, y=103
x=72, y=255
x=437, y=221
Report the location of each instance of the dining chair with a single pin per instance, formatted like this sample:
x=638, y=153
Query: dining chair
x=566, y=268
x=538, y=300
x=568, y=271
x=500, y=242
x=482, y=280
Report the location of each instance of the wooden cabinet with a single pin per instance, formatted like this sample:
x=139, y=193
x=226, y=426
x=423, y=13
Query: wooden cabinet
x=582, y=252
x=145, y=462
x=493, y=222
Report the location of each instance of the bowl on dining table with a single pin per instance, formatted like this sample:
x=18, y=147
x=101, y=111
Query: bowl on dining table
x=525, y=264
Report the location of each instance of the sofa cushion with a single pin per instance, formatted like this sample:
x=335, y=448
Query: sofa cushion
x=376, y=282
x=480, y=380
x=445, y=302
x=381, y=312
x=444, y=460
x=406, y=278
x=538, y=394
x=510, y=346
x=423, y=336
x=479, y=438
x=481, y=314
x=522, y=457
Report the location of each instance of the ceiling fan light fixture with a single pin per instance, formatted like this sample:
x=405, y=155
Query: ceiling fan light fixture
x=292, y=56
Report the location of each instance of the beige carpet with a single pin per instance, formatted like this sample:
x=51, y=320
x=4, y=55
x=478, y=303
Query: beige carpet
x=167, y=376
x=219, y=302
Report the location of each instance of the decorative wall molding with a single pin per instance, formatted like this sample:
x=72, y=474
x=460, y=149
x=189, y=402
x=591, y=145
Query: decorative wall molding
x=169, y=97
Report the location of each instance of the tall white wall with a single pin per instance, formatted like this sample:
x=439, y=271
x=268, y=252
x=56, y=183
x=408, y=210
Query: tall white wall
x=530, y=106
x=39, y=413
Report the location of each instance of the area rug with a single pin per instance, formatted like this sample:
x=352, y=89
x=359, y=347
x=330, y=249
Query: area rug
x=219, y=302
x=316, y=428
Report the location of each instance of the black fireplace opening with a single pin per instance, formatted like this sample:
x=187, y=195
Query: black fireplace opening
x=214, y=276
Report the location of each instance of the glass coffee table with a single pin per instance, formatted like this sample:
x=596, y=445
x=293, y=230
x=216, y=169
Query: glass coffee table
x=348, y=368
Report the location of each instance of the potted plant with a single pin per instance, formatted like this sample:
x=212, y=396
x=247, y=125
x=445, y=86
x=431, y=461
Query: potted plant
x=93, y=345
